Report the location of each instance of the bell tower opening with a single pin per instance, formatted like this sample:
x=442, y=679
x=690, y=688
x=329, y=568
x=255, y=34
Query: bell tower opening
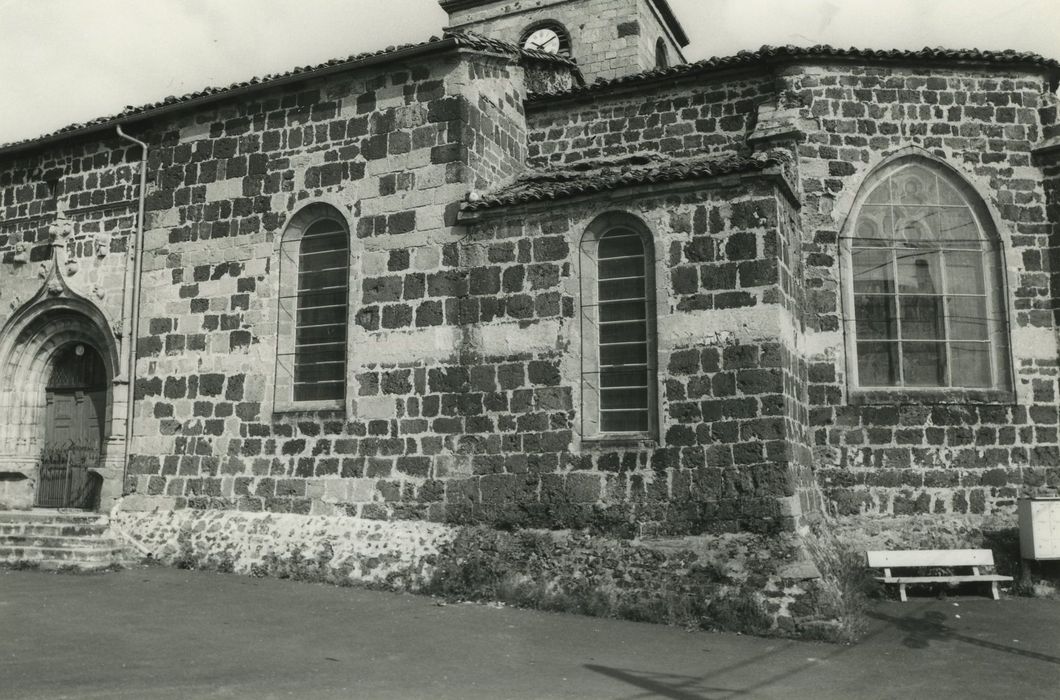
x=607, y=38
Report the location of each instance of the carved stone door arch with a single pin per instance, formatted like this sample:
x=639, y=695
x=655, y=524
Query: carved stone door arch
x=33, y=344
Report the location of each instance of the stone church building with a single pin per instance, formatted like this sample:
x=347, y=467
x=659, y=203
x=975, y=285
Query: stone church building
x=543, y=273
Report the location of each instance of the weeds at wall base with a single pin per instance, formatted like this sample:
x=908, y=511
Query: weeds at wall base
x=711, y=584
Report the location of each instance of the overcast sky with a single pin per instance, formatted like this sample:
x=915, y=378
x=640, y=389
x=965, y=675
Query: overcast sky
x=64, y=61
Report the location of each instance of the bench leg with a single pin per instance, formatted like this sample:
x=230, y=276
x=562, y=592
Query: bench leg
x=901, y=592
x=993, y=589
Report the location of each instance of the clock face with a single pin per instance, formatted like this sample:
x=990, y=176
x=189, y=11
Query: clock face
x=544, y=39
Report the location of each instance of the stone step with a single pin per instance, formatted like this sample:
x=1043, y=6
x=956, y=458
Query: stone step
x=9, y=529
x=53, y=539
x=53, y=564
x=74, y=555
x=49, y=514
x=35, y=540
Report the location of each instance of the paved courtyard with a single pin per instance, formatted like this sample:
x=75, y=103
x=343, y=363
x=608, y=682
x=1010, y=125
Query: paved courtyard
x=162, y=633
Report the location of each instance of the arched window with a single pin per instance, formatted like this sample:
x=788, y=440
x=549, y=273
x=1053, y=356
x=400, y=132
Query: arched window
x=925, y=284
x=662, y=55
x=619, y=366
x=314, y=310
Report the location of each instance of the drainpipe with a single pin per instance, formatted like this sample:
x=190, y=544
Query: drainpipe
x=131, y=303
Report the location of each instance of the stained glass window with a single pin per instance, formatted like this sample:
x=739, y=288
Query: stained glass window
x=926, y=286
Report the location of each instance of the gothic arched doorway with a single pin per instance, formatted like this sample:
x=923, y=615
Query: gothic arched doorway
x=74, y=428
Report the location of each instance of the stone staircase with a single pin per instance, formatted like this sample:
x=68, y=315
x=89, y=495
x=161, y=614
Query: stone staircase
x=50, y=539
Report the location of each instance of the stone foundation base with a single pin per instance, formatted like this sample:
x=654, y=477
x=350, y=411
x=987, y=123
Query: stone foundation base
x=751, y=583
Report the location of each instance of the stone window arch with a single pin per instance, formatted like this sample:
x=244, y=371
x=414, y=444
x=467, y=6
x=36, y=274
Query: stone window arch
x=314, y=311
x=924, y=287
x=619, y=352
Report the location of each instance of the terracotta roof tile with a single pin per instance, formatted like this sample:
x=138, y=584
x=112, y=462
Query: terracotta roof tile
x=465, y=40
x=780, y=54
x=544, y=185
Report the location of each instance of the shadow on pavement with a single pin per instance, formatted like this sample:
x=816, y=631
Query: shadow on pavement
x=667, y=685
x=931, y=627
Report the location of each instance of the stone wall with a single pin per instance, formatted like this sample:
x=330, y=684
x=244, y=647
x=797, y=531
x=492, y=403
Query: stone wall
x=467, y=383
x=904, y=455
x=693, y=118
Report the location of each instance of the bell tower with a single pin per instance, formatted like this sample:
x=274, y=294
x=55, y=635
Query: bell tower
x=608, y=38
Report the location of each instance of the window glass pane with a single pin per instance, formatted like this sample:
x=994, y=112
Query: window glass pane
x=878, y=364
x=623, y=332
x=611, y=399
x=622, y=289
x=312, y=335
x=331, y=297
x=625, y=377
x=619, y=243
x=624, y=421
x=914, y=185
x=967, y=317
x=330, y=391
x=323, y=354
x=924, y=364
x=622, y=267
x=334, y=277
x=917, y=226
x=623, y=311
x=875, y=317
x=322, y=371
x=316, y=246
x=948, y=195
x=922, y=318
x=636, y=354
x=873, y=270
x=958, y=228
x=964, y=271
x=881, y=194
x=322, y=316
x=918, y=272
x=875, y=226
x=971, y=364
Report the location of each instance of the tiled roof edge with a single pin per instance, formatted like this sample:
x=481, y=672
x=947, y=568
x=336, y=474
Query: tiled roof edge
x=451, y=40
x=778, y=54
x=576, y=185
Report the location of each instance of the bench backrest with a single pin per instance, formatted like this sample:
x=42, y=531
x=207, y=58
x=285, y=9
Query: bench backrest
x=930, y=557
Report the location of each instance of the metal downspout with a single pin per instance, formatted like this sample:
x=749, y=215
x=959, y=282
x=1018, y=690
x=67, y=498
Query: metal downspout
x=131, y=303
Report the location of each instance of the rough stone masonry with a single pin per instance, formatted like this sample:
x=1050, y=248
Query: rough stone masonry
x=474, y=178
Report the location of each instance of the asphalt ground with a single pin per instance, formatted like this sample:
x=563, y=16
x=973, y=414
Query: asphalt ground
x=164, y=633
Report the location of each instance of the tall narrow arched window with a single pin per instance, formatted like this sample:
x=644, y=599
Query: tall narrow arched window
x=619, y=368
x=662, y=55
x=314, y=311
x=925, y=284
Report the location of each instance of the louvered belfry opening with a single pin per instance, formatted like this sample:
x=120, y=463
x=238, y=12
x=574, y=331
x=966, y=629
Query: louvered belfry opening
x=625, y=313
x=321, y=313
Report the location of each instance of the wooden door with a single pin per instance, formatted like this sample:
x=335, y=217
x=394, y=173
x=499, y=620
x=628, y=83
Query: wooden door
x=74, y=430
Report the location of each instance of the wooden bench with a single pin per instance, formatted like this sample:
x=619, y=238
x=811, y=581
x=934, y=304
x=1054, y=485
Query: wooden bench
x=936, y=559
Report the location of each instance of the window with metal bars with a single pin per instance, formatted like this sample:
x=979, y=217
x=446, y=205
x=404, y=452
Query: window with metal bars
x=314, y=311
x=619, y=366
x=926, y=284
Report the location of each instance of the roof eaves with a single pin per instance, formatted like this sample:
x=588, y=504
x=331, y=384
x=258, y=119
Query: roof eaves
x=771, y=55
x=210, y=95
x=569, y=186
